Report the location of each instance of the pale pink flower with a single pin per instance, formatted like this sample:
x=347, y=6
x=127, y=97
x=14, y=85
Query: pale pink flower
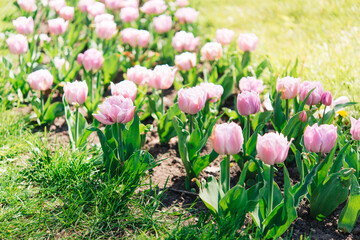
x=95, y=9
x=191, y=100
x=135, y=37
x=76, y=92
x=129, y=14
x=56, y=5
x=355, y=129
x=315, y=96
x=186, y=15
x=181, y=3
x=162, y=23
x=27, y=5
x=183, y=41
x=213, y=91
x=40, y=80
x=162, y=77
x=126, y=89
x=185, y=61
x=272, y=148
x=84, y=4
x=92, y=59
x=288, y=87
x=326, y=98
x=154, y=7
x=139, y=74
x=67, y=13
x=58, y=26
x=227, y=138
x=211, y=51
x=251, y=84
x=17, y=44
x=247, y=42
x=248, y=103
x=103, y=17
x=320, y=138
x=105, y=29
x=24, y=25
x=224, y=36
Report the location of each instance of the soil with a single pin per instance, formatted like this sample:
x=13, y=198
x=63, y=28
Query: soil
x=170, y=175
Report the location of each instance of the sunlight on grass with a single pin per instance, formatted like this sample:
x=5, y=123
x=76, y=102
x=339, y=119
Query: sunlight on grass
x=323, y=34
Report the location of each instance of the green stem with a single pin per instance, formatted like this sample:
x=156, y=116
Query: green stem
x=76, y=124
x=227, y=174
x=287, y=110
x=323, y=116
x=191, y=121
x=319, y=157
x=162, y=101
x=248, y=128
x=121, y=143
x=205, y=72
x=187, y=183
x=270, y=190
x=42, y=105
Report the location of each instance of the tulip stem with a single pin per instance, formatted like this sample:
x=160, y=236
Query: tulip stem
x=121, y=143
x=323, y=116
x=191, y=121
x=287, y=109
x=205, y=72
x=76, y=124
x=319, y=157
x=225, y=173
x=357, y=149
x=248, y=128
x=270, y=190
x=162, y=101
x=42, y=105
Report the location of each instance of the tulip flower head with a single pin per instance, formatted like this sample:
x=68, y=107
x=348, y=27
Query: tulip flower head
x=129, y=14
x=84, y=4
x=56, y=5
x=303, y=116
x=186, y=15
x=135, y=37
x=40, y=80
x=251, y=84
x=24, y=25
x=162, y=77
x=227, y=138
x=162, y=23
x=103, y=17
x=191, y=100
x=96, y=8
x=320, y=138
x=154, y=7
x=183, y=41
x=115, y=109
x=213, y=91
x=67, y=13
x=92, y=60
x=248, y=103
x=288, y=87
x=181, y=3
x=272, y=148
x=355, y=129
x=326, y=98
x=224, y=36
x=126, y=89
x=105, y=29
x=76, y=92
x=139, y=75
x=27, y=5
x=247, y=42
x=315, y=96
x=185, y=61
x=58, y=26
x=211, y=51
x=17, y=44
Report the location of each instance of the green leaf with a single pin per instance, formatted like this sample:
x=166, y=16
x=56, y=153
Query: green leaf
x=302, y=104
x=344, y=105
x=202, y=162
x=132, y=137
x=261, y=67
x=233, y=204
x=194, y=141
x=278, y=120
x=54, y=110
x=246, y=58
x=227, y=83
x=110, y=67
x=210, y=194
x=338, y=163
x=351, y=211
x=166, y=130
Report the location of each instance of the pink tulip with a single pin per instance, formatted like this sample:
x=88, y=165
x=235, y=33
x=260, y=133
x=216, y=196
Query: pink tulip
x=248, y=103
x=97, y=8
x=92, y=60
x=227, y=138
x=67, y=13
x=129, y=3
x=251, y=84
x=320, y=138
x=191, y=100
x=162, y=77
x=76, y=92
x=84, y=4
x=129, y=14
x=113, y=4
x=27, y=5
x=126, y=89
x=247, y=42
x=211, y=51
x=56, y=5
x=224, y=36
x=105, y=29
x=24, y=25
x=288, y=87
x=315, y=96
x=103, y=17
x=115, y=109
x=303, y=116
x=326, y=98
x=181, y=3
x=135, y=37
x=154, y=7
x=183, y=41
x=355, y=129
x=162, y=23
x=40, y=80
x=186, y=15
x=59, y=63
x=213, y=91
x=185, y=61
x=139, y=75
x=58, y=26
x=79, y=58
x=17, y=44
x=272, y=148
x=341, y=100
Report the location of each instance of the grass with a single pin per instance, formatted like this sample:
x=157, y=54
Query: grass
x=324, y=35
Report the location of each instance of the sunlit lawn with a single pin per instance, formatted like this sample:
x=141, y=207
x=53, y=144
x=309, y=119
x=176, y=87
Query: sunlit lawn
x=323, y=34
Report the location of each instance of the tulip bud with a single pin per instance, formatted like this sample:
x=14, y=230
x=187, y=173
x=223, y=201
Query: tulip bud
x=191, y=100
x=315, y=96
x=224, y=36
x=113, y=4
x=115, y=109
x=126, y=89
x=185, y=61
x=24, y=25
x=320, y=138
x=213, y=91
x=129, y=14
x=183, y=41
x=105, y=29
x=162, y=77
x=288, y=87
x=326, y=98
x=211, y=51
x=247, y=42
x=67, y=13
x=248, y=103
x=56, y=5
x=355, y=129
x=154, y=7
x=79, y=58
x=103, y=17
x=27, y=5
x=227, y=138
x=96, y=8
x=303, y=116
x=139, y=75
x=92, y=59
x=162, y=23
x=84, y=4
x=17, y=44
x=58, y=26
x=40, y=80
x=272, y=148
x=76, y=92
x=251, y=84
x=135, y=37
x=186, y=15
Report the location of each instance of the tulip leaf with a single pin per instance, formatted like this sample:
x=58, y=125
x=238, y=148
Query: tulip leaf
x=338, y=163
x=278, y=120
x=329, y=194
x=302, y=104
x=132, y=137
x=110, y=67
x=351, y=160
x=234, y=204
x=344, y=105
x=210, y=194
x=245, y=60
x=166, y=130
x=328, y=118
x=292, y=128
x=227, y=81
x=261, y=67
x=54, y=110
x=351, y=211
x=202, y=162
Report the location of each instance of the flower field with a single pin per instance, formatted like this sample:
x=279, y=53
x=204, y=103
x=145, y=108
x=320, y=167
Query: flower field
x=130, y=119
